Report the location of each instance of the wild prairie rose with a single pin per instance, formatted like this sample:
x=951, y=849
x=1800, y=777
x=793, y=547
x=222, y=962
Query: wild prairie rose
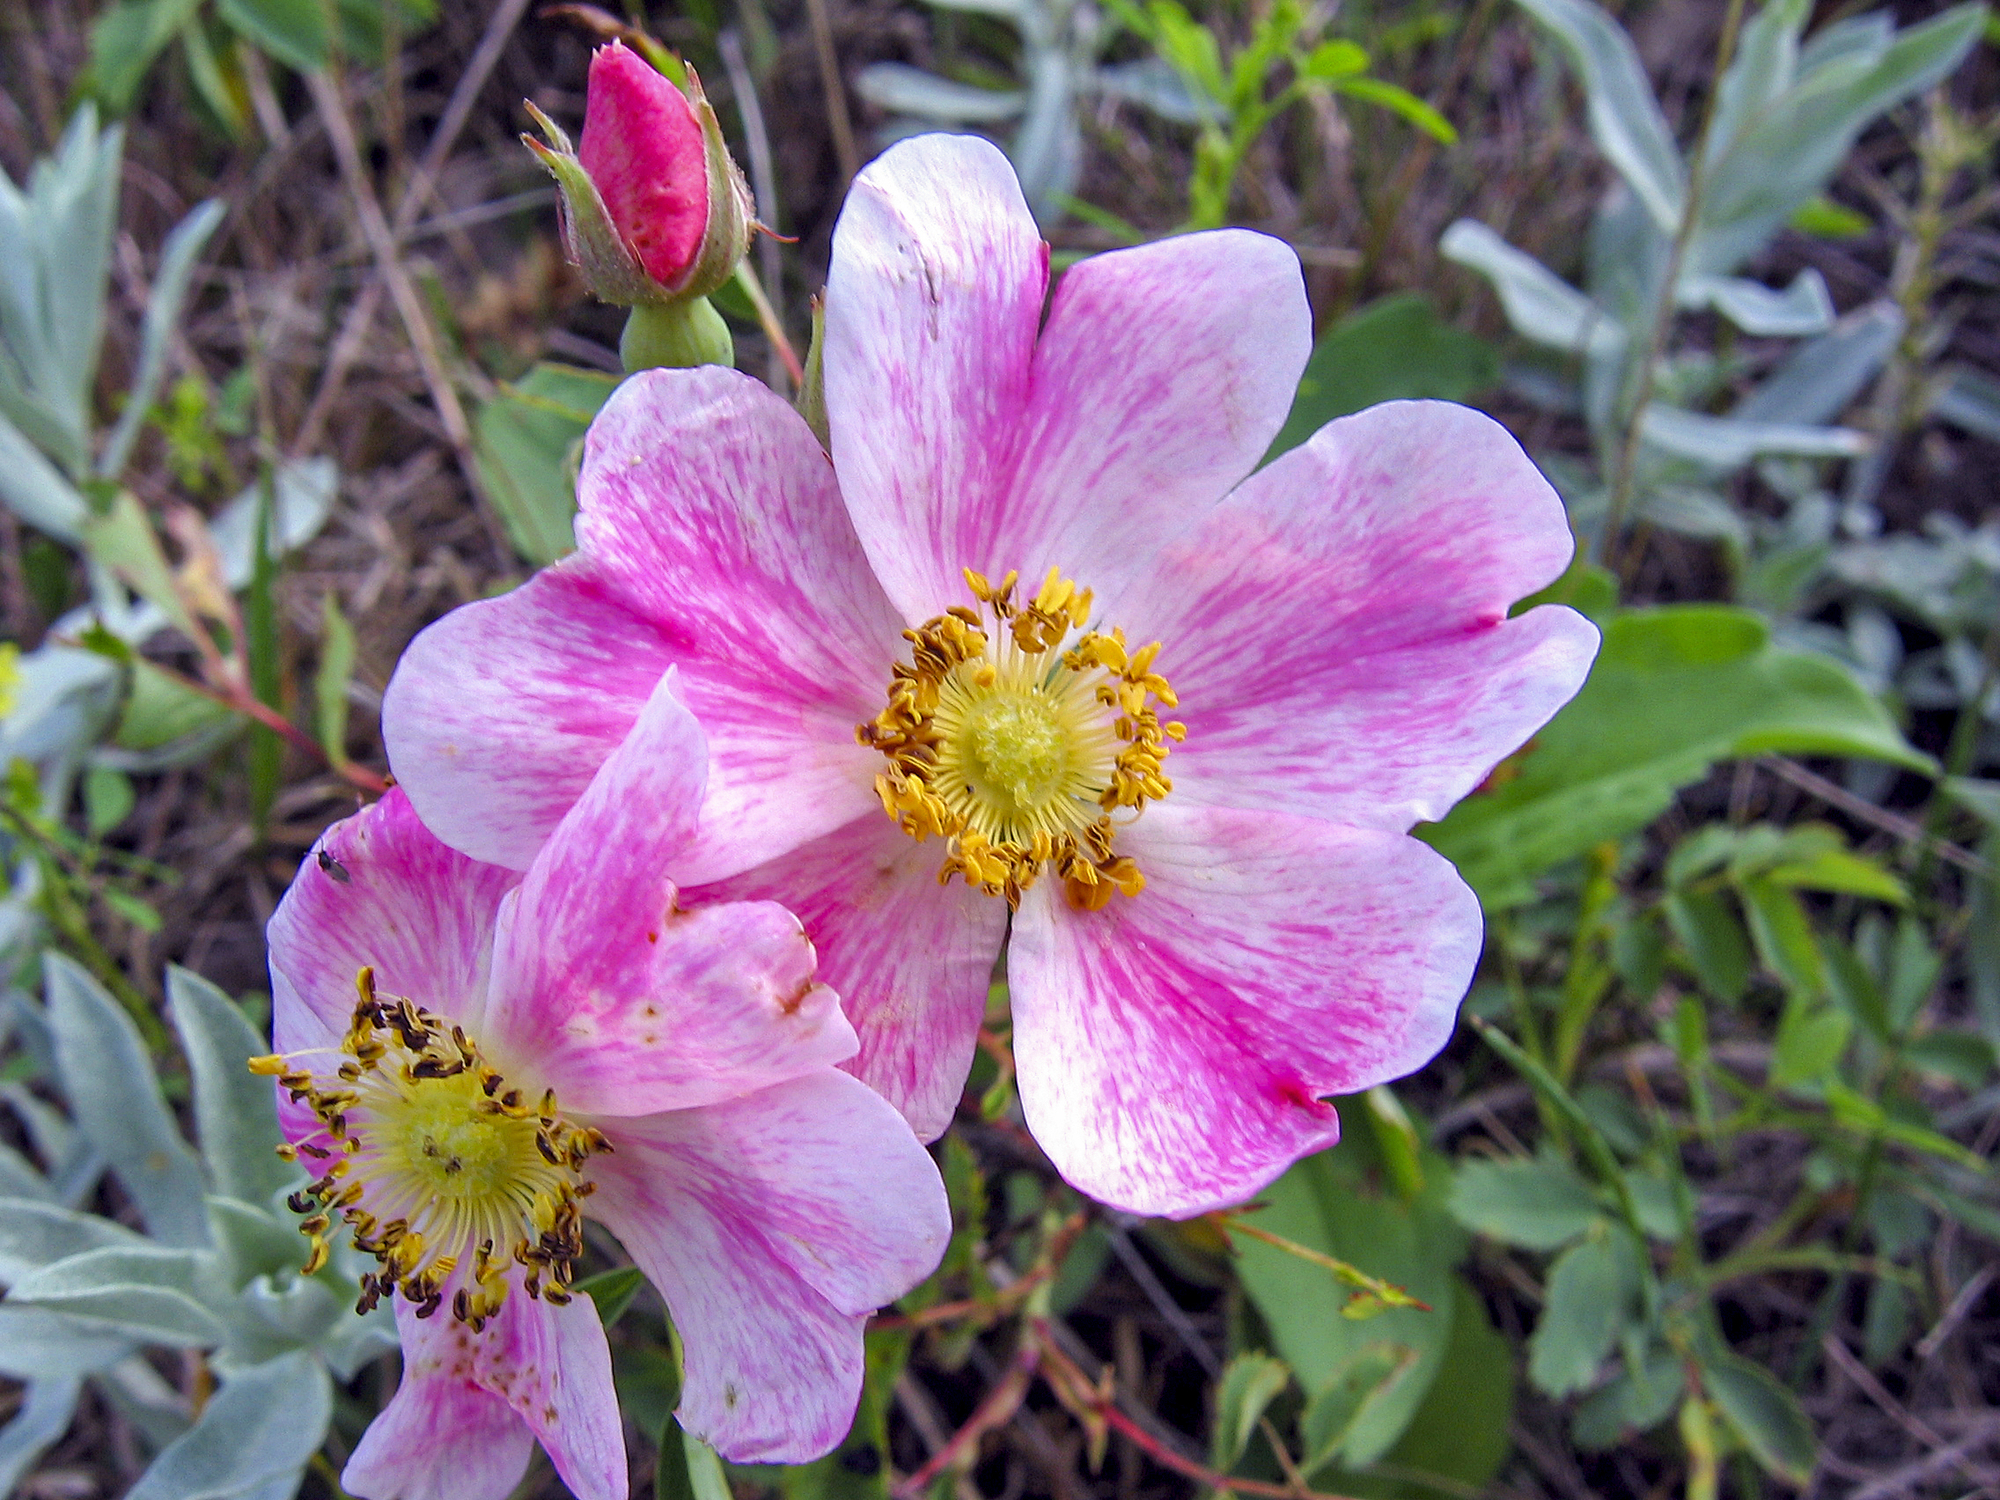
x=1037, y=659
x=474, y=1059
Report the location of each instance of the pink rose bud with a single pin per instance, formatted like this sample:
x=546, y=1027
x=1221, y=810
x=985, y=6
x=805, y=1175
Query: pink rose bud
x=654, y=209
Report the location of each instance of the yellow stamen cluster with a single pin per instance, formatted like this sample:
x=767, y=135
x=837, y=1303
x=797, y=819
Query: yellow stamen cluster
x=1016, y=751
x=437, y=1163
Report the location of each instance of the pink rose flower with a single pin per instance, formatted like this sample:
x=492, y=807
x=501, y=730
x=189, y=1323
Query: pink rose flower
x=1196, y=853
x=521, y=1051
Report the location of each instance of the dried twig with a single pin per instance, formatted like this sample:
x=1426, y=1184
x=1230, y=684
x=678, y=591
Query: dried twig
x=1861, y=809
x=838, y=120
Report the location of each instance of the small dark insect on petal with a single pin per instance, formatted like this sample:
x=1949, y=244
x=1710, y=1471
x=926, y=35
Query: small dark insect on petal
x=332, y=866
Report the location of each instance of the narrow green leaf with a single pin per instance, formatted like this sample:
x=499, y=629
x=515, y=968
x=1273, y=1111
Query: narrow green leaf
x=336, y=668
x=1537, y=1203
x=613, y=1291
x=1784, y=936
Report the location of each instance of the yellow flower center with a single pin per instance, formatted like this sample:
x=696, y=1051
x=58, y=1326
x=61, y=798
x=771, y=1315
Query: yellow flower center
x=1015, y=732
x=440, y=1163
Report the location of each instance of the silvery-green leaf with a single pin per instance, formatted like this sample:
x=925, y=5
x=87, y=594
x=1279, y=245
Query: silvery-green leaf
x=18, y=1177
x=163, y=314
x=39, y=1345
x=136, y=1391
x=1693, y=510
x=1819, y=379
x=1010, y=10
x=1152, y=83
x=63, y=699
x=288, y=1310
x=1801, y=310
x=35, y=489
x=236, y=1112
x=1625, y=119
x=1724, y=443
x=55, y=243
x=1047, y=150
x=115, y=1097
x=1539, y=304
x=305, y=489
x=146, y=1293
x=905, y=90
x=263, y=1425
x=1766, y=63
x=254, y=1240
x=1792, y=152
x=35, y=1234
x=43, y=1417
x=1970, y=400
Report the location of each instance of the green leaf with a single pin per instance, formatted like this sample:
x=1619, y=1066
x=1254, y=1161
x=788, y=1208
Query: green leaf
x=1402, y=103
x=145, y=1292
x=1965, y=1057
x=123, y=540
x=124, y=40
x=522, y=443
x=1339, y=1204
x=163, y=315
x=1784, y=936
x=295, y=32
x=1864, y=1116
x=108, y=799
x=1394, y=349
x=1838, y=871
x=1830, y=221
x=1638, y=1398
x=252, y=1439
x=1675, y=689
x=1589, y=1296
x=336, y=667
x=1330, y=61
x=1460, y=1432
x=1250, y=1383
x=115, y=1097
x=235, y=1111
x=44, y=1415
x=34, y=1235
x=612, y=1291
x=1625, y=120
x=1811, y=1040
x=1538, y=1203
x=1763, y=1413
x=1345, y=1403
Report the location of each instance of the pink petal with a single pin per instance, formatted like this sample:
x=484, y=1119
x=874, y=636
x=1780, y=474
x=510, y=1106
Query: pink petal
x=1161, y=378
x=445, y=1436
x=642, y=147
x=421, y=914
x=1337, y=629
x=709, y=508
x=440, y=1438
x=500, y=712
x=773, y=1225
x=607, y=990
x=932, y=305
x=1159, y=381
x=712, y=537
x=911, y=959
x=1174, y=1048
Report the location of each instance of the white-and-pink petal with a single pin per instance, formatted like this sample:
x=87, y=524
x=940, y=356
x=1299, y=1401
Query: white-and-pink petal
x=773, y=1225
x=1175, y=1048
x=470, y=1402
x=911, y=959
x=1337, y=630
x=607, y=990
x=392, y=898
